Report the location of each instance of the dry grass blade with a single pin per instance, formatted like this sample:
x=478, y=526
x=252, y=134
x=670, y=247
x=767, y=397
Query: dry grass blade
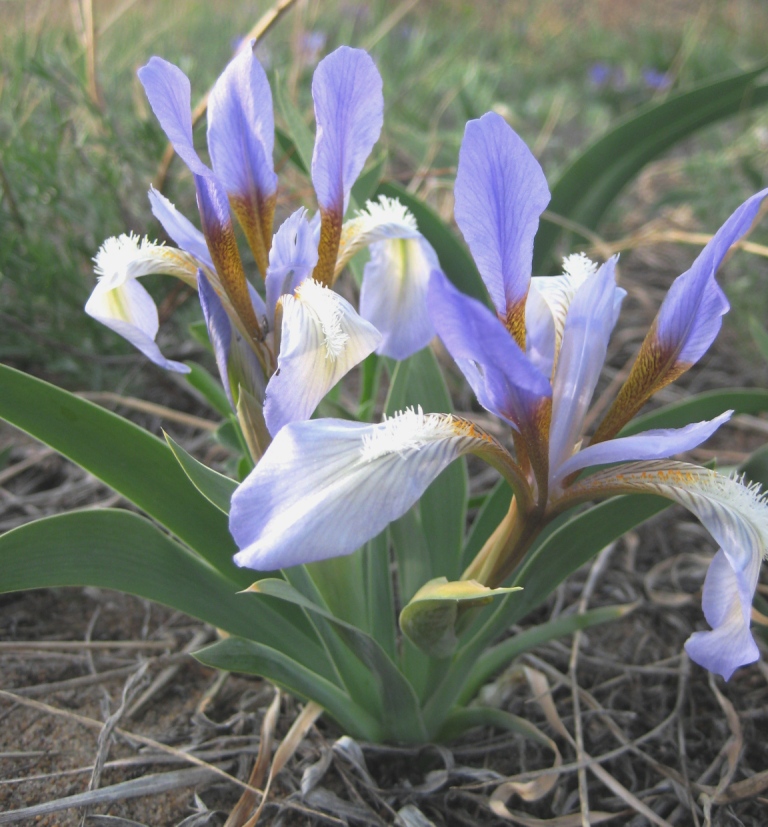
x=536, y=788
x=732, y=750
x=151, y=408
x=247, y=802
x=538, y=682
x=91, y=723
x=264, y=24
x=136, y=787
x=289, y=745
x=389, y=23
x=167, y=674
x=673, y=600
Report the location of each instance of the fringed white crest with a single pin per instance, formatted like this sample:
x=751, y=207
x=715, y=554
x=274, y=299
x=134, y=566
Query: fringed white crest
x=406, y=431
x=327, y=308
x=127, y=256
x=384, y=219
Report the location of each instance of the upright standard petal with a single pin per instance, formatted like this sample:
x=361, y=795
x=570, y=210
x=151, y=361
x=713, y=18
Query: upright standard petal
x=349, y=106
x=505, y=382
x=326, y=486
x=169, y=95
x=222, y=244
x=690, y=316
x=322, y=338
x=393, y=297
x=737, y=517
x=241, y=140
x=589, y=323
x=547, y=308
x=686, y=325
x=219, y=330
x=292, y=258
x=500, y=193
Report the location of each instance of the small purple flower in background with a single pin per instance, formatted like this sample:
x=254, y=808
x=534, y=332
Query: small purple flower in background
x=311, y=47
x=326, y=486
x=600, y=74
x=658, y=81
x=604, y=75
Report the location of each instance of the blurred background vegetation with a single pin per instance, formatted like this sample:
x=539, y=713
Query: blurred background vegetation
x=79, y=146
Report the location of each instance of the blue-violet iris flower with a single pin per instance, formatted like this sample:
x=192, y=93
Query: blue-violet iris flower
x=282, y=348
x=326, y=486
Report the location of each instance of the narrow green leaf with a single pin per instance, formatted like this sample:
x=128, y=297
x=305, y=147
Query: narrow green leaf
x=127, y=458
x=755, y=469
x=215, y=487
x=365, y=187
x=591, y=183
x=115, y=549
x=461, y=720
x=209, y=387
x=297, y=129
x=418, y=381
x=557, y=554
x=380, y=594
x=759, y=336
x=286, y=144
x=400, y=707
x=235, y=655
x=454, y=257
x=706, y=405
x=498, y=657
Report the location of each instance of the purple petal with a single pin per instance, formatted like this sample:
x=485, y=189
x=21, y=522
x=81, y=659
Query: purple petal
x=500, y=193
x=588, y=326
x=169, y=95
x=349, y=106
x=241, y=129
x=393, y=297
x=219, y=330
x=503, y=379
x=292, y=258
x=690, y=317
x=727, y=601
x=179, y=228
x=222, y=243
x=649, y=445
x=326, y=486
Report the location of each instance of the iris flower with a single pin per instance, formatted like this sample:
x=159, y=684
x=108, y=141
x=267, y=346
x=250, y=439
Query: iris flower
x=326, y=486
x=280, y=350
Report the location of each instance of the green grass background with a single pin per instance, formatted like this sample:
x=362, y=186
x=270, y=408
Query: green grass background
x=74, y=170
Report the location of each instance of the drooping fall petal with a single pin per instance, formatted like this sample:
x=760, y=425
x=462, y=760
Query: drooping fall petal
x=326, y=486
x=736, y=516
